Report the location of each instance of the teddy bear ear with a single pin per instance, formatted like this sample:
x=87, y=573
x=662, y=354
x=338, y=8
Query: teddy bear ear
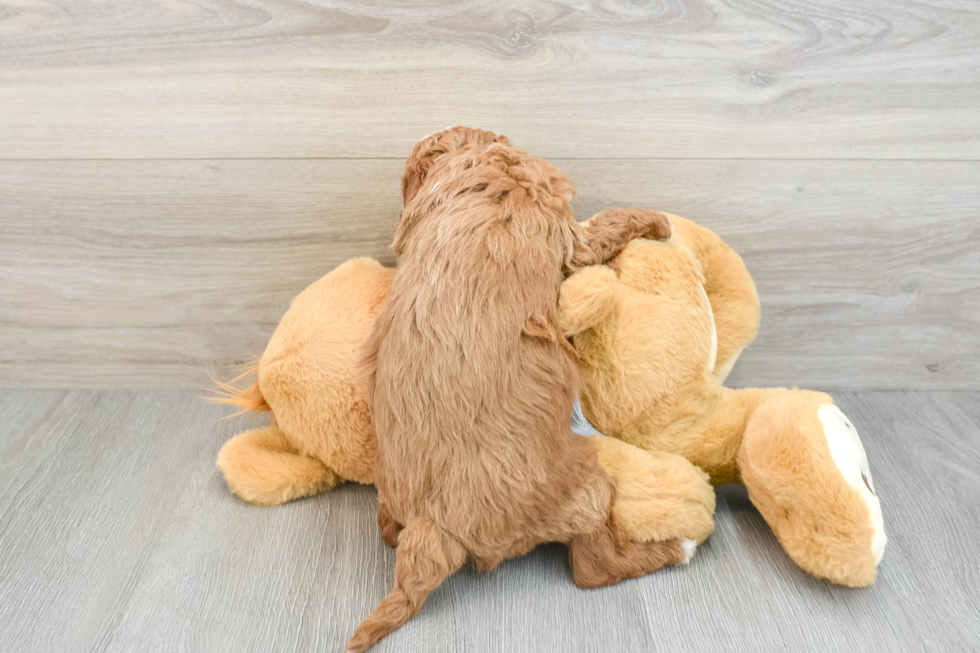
x=586, y=299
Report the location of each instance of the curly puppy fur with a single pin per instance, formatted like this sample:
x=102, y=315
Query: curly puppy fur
x=471, y=381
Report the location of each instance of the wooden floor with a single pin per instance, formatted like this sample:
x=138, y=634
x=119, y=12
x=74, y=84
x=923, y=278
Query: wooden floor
x=117, y=533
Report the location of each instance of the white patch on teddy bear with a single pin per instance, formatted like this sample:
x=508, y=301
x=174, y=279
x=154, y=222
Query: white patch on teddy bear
x=714, y=332
x=852, y=461
x=722, y=373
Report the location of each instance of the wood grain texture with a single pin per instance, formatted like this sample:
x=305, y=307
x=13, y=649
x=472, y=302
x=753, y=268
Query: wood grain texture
x=117, y=533
x=145, y=273
x=604, y=78
x=88, y=483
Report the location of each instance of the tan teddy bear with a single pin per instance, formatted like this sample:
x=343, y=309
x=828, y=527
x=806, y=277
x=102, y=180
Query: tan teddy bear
x=320, y=433
x=654, y=344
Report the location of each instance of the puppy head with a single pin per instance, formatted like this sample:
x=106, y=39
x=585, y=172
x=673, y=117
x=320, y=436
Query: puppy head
x=432, y=147
x=480, y=177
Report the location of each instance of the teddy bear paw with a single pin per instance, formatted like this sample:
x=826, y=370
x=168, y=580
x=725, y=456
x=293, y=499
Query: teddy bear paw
x=849, y=456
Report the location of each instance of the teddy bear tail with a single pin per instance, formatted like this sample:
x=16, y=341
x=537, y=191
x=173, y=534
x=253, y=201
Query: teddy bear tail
x=247, y=400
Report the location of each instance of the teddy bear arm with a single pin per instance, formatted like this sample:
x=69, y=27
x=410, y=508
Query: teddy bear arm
x=730, y=289
x=735, y=305
x=586, y=298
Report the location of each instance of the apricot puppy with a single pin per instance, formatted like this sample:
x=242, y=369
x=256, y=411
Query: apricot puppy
x=471, y=382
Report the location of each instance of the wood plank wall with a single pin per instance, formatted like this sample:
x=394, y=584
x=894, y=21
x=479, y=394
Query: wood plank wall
x=172, y=173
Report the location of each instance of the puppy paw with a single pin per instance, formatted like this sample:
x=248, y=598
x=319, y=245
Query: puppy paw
x=689, y=546
x=654, y=225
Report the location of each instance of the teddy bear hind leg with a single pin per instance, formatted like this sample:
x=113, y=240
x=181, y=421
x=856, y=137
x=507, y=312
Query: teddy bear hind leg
x=811, y=497
x=261, y=467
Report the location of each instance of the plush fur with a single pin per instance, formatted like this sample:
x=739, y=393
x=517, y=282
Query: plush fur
x=321, y=433
x=471, y=383
x=659, y=495
x=734, y=434
x=653, y=344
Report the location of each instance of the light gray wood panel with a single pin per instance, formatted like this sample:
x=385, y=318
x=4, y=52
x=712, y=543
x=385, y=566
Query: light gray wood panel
x=88, y=483
x=142, y=274
x=613, y=78
x=194, y=569
x=968, y=404
x=233, y=577
x=924, y=454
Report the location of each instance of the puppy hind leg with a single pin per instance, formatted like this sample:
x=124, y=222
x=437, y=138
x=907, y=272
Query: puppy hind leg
x=602, y=558
x=390, y=528
x=424, y=558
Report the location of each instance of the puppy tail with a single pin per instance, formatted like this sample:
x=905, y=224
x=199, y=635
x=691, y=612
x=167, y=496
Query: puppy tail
x=424, y=558
x=247, y=400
